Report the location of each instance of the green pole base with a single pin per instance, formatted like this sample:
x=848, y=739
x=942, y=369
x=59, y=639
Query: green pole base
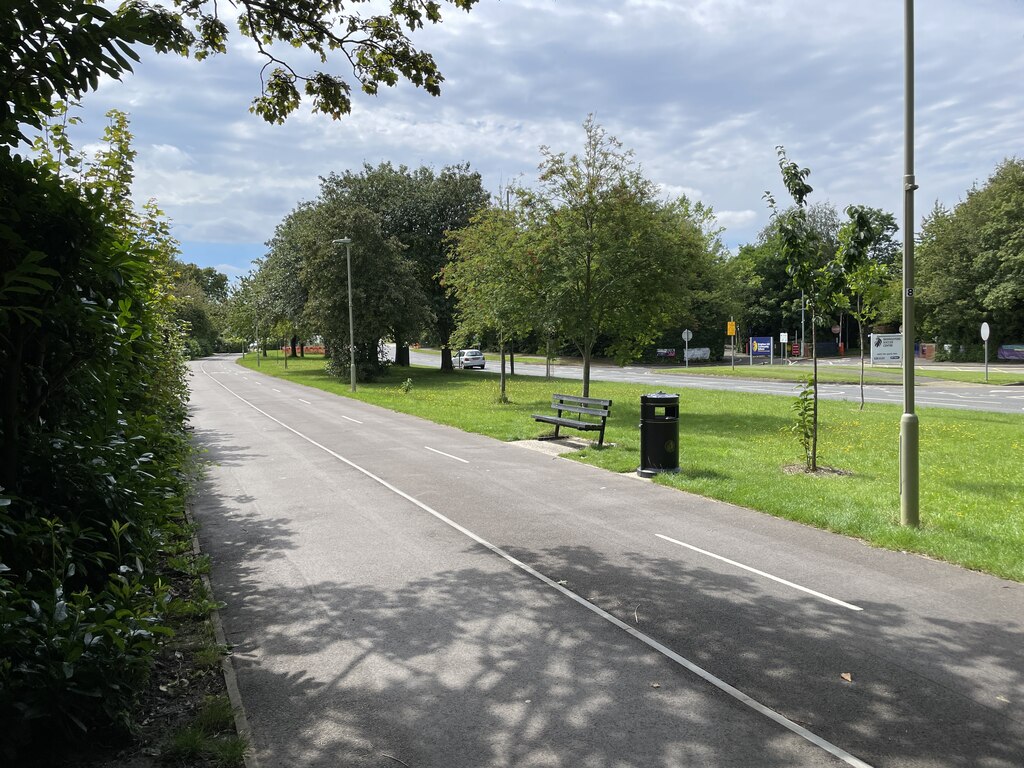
x=909, y=470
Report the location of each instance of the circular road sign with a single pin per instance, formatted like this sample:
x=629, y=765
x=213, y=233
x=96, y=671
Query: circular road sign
x=687, y=334
x=984, y=331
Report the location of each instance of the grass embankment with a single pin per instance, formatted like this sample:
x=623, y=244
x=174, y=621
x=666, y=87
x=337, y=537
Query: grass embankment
x=736, y=446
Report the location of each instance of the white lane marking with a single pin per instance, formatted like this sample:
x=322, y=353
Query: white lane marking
x=445, y=454
x=276, y=390
x=650, y=642
x=300, y=400
x=357, y=421
x=761, y=573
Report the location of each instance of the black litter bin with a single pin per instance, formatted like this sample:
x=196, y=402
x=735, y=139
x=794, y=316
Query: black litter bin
x=659, y=434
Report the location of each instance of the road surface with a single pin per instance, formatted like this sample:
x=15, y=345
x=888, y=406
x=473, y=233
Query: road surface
x=945, y=394
x=403, y=593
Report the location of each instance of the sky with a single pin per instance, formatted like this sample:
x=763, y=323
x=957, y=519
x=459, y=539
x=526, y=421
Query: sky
x=701, y=90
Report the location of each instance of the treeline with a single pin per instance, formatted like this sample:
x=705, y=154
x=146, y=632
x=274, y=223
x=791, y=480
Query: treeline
x=589, y=259
x=95, y=457
x=969, y=269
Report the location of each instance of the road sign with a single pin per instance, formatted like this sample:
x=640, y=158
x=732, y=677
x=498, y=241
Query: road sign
x=687, y=334
x=783, y=337
x=984, y=337
x=731, y=331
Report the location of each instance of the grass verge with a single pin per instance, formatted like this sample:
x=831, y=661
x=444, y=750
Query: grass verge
x=736, y=447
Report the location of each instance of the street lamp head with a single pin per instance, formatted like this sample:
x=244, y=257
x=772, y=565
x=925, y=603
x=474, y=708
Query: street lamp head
x=342, y=241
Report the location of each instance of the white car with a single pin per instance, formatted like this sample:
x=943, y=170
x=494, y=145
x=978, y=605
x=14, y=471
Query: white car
x=469, y=358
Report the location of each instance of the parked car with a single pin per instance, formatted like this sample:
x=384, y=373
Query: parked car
x=469, y=358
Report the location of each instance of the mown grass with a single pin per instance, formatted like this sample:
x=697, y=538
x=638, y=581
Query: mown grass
x=736, y=447
x=1011, y=374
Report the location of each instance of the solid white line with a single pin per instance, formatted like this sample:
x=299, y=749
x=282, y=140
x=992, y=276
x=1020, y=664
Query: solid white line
x=300, y=400
x=761, y=573
x=357, y=421
x=445, y=454
x=700, y=672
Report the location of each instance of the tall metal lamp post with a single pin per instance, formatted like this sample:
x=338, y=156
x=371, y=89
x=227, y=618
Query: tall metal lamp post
x=347, y=242
x=909, y=427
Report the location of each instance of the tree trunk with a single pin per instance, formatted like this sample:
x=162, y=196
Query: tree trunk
x=295, y=344
x=814, y=408
x=502, y=398
x=547, y=361
x=302, y=349
x=512, y=357
x=446, y=359
x=586, y=371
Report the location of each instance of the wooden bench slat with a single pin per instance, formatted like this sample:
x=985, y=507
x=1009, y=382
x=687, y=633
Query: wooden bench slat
x=582, y=400
x=580, y=409
x=584, y=425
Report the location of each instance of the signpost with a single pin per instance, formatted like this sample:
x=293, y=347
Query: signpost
x=762, y=346
x=886, y=347
x=731, y=331
x=984, y=337
x=687, y=335
x=783, y=341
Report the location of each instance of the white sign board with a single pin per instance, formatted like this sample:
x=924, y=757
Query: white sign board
x=886, y=347
x=783, y=338
x=984, y=332
x=687, y=334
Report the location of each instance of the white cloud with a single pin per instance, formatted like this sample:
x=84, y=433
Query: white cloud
x=703, y=91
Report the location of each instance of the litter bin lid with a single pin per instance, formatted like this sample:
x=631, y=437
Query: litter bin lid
x=659, y=398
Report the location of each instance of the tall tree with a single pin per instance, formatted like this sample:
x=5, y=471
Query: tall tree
x=971, y=262
x=385, y=291
x=617, y=257
x=496, y=274
x=418, y=208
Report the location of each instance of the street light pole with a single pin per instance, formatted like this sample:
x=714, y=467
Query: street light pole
x=909, y=426
x=347, y=242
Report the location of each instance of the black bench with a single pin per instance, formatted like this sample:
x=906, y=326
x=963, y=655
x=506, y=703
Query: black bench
x=583, y=406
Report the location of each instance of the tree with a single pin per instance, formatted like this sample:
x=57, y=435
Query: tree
x=971, y=262
x=93, y=450
x=616, y=256
x=385, y=291
x=814, y=271
x=864, y=249
x=418, y=208
x=59, y=49
x=495, y=272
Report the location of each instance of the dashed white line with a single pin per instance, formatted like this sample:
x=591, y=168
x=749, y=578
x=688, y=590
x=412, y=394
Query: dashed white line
x=276, y=390
x=304, y=401
x=650, y=642
x=357, y=421
x=762, y=573
x=445, y=454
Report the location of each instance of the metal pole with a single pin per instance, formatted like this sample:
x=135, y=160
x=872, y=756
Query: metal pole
x=909, y=426
x=986, y=361
x=803, y=335
x=351, y=327
x=347, y=242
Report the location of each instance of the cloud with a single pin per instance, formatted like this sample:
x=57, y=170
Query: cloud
x=702, y=91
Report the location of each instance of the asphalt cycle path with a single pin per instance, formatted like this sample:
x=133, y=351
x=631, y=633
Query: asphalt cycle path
x=400, y=592
x=945, y=394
